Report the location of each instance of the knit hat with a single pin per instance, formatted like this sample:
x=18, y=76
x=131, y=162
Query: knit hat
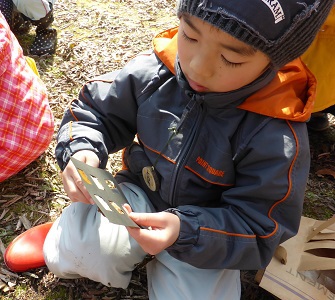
x=282, y=29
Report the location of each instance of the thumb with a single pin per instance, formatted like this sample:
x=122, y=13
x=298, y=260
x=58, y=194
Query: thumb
x=127, y=207
x=92, y=159
x=147, y=219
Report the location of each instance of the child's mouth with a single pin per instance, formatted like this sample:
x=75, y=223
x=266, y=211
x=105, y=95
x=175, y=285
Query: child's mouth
x=196, y=87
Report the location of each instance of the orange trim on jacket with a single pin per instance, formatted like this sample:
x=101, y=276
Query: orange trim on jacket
x=282, y=97
x=165, y=46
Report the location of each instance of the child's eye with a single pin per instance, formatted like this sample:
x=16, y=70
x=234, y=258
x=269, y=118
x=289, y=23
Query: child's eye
x=229, y=63
x=187, y=38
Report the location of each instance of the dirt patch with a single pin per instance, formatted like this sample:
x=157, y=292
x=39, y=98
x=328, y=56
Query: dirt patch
x=95, y=37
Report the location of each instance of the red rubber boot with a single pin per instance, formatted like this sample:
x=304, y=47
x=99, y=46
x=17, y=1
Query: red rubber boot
x=25, y=252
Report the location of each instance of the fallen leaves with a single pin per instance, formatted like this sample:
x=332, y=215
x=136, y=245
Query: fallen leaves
x=323, y=172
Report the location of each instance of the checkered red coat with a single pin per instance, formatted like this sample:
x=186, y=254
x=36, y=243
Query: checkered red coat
x=26, y=121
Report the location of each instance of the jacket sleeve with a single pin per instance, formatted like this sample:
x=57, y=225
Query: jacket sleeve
x=262, y=210
x=103, y=118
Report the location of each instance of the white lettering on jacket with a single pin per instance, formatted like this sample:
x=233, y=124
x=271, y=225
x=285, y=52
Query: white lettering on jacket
x=276, y=10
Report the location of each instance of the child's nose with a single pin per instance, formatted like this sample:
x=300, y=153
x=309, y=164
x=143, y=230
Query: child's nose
x=202, y=64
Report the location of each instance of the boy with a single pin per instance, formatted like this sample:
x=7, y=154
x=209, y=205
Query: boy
x=26, y=120
x=221, y=167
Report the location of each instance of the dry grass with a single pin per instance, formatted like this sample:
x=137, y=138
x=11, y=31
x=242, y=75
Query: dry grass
x=95, y=37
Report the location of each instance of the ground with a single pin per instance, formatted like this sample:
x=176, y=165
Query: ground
x=95, y=37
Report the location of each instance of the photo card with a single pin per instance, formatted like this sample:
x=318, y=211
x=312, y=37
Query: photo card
x=105, y=192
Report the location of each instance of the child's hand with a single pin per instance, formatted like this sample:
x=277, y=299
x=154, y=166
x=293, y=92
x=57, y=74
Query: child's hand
x=72, y=182
x=163, y=230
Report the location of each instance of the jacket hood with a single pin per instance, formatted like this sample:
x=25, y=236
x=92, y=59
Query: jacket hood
x=290, y=94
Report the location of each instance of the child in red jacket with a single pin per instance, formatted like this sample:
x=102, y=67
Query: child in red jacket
x=26, y=120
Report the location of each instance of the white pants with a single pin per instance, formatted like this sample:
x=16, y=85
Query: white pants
x=83, y=243
x=33, y=9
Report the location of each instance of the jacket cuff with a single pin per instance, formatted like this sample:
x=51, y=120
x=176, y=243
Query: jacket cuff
x=189, y=231
x=63, y=154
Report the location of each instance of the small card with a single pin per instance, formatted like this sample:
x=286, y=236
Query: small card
x=105, y=192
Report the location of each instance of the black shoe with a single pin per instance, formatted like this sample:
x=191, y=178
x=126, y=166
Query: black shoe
x=45, y=42
x=6, y=8
x=318, y=122
x=20, y=24
x=46, y=37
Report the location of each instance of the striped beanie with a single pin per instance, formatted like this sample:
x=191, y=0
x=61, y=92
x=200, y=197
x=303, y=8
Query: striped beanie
x=282, y=29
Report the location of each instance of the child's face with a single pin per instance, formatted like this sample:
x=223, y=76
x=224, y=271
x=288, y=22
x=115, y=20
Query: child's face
x=214, y=61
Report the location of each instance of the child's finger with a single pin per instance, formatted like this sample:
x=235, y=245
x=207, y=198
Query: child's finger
x=127, y=207
x=154, y=220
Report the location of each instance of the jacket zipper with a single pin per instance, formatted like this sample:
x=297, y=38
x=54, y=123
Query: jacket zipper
x=196, y=99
